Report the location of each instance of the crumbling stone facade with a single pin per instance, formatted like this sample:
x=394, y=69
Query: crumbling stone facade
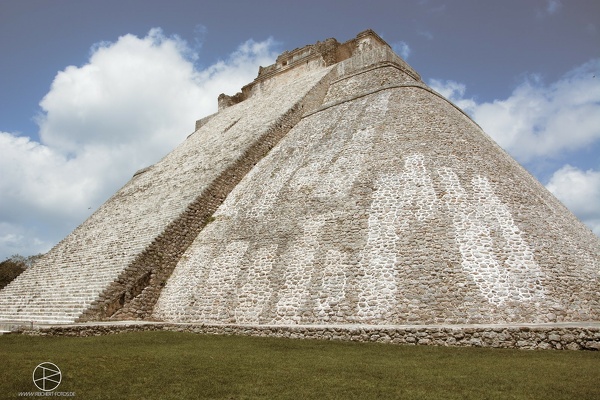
x=336, y=189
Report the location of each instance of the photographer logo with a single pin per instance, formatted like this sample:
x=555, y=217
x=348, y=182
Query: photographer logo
x=47, y=376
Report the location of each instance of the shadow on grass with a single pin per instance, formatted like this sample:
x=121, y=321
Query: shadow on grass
x=169, y=365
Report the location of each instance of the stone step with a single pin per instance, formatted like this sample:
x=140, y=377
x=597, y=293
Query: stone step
x=50, y=293
x=37, y=298
x=33, y=311
x=50, y=287
x=54, y=295
x=48, y=305
x=20, y=315
x=43, y=311
x=23, y=310
x=41, y=320
x=37, y=316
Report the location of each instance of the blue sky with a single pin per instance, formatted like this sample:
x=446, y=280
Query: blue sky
x=92, y=91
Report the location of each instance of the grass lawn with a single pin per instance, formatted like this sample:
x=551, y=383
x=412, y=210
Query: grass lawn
x=169, y=365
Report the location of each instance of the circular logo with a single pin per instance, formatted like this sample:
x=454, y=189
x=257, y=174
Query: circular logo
x=47, y=376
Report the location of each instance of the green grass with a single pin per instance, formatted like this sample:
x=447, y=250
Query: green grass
x=168, y=365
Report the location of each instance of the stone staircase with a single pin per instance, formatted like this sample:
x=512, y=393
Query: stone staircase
x=56, y=300
x=80, y=277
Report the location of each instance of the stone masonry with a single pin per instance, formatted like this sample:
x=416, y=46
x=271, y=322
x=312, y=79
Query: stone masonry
x=389, y=206
x=529, y=337
x=335, y=190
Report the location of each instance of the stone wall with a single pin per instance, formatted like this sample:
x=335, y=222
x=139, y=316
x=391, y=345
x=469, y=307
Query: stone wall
x=389, y=206
x=519, y=337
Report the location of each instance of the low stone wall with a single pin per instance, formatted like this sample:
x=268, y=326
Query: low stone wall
x=520, y=337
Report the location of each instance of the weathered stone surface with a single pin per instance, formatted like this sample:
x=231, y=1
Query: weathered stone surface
x=387, y=205
x=336, y=189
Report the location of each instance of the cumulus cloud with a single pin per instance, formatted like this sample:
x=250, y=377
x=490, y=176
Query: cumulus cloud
x=580, y=192
x=545, y=120
x=539, y=122
x=133, y=101
x=402, y=49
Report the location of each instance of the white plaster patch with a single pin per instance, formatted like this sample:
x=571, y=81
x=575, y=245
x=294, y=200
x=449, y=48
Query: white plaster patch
x=338, y=179
x=256, y=291
x=380, y=105
x=398, y=199
x=298, y=273
x=377, y=283
x=519, y=277
x=419, y=200
x=330, y=170
x=315, y=162
x=333, y=284
x=219, y=290
x=520, y=262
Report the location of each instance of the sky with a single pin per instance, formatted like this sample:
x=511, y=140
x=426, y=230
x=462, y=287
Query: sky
x=91, y=92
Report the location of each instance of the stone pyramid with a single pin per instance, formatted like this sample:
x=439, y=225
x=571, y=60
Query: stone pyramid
x=335, y=189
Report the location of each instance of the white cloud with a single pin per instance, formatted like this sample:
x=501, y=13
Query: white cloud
x=402, y=49
x=432, y=8
x=426, y=34
x=539, y=120
x=133, y=101
x=18, y=239
x=580, y=192
x=552, y=8
x=200, y=32
x=454, y=92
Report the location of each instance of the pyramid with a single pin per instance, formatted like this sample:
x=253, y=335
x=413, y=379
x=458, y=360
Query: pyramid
x=335, y=189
